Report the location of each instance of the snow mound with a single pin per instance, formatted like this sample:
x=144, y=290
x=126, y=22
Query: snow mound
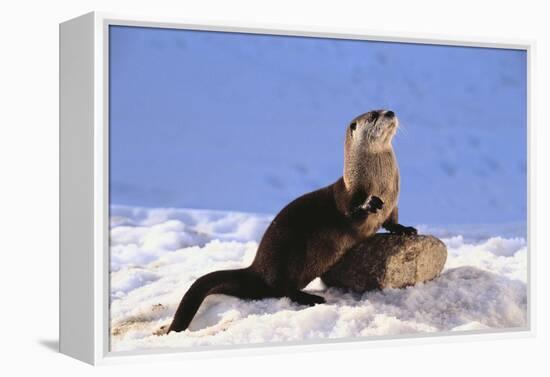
x=156, y=254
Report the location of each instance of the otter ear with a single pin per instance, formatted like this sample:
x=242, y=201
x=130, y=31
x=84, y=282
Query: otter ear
x=353, y=126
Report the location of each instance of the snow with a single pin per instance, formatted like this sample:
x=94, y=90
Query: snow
x=156, y=254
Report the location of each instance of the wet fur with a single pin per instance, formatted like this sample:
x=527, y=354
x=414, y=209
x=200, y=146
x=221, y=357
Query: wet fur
x=314, y=231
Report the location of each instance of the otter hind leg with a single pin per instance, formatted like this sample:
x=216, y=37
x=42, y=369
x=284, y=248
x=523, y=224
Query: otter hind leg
x=307, y=299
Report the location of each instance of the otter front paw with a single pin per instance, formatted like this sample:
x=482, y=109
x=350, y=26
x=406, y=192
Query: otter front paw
x=373, y=204
x=403, y=230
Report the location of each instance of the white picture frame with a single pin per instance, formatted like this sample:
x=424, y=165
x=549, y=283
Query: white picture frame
x=84, y=186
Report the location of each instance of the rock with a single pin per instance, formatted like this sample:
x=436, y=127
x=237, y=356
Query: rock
x=388, y=261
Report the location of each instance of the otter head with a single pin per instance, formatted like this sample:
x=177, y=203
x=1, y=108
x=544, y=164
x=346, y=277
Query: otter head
x=367, y=136
x=372, y=131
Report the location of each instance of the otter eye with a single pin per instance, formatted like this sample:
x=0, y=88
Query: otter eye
x=353, y=126
x=372, y=116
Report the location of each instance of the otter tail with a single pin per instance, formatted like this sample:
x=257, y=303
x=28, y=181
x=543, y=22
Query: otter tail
x=241, y=283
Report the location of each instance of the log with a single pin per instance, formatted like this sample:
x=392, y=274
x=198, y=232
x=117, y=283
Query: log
x=388, y=261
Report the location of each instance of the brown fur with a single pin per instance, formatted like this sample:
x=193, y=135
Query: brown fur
x=314, y=231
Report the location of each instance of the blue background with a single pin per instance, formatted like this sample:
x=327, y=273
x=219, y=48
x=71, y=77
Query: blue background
x=248, y=122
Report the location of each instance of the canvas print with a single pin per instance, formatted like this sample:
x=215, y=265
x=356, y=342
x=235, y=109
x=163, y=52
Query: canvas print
x=270, y=189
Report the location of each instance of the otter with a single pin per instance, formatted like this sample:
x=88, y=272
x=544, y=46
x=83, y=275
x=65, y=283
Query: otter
x=314, y=231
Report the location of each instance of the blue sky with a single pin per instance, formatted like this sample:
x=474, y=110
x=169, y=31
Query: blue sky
x=248, y=122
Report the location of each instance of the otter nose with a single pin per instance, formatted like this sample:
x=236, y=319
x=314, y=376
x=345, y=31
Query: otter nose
x=389, y=114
